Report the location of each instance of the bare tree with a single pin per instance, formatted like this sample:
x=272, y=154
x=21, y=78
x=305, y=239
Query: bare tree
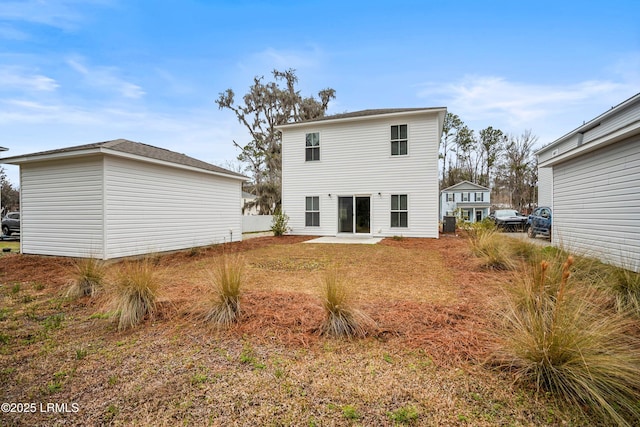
x=518, y=170
x=452, y=124
x=264, y=107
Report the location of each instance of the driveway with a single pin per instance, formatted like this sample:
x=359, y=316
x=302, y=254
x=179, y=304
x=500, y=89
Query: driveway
x=523, y=236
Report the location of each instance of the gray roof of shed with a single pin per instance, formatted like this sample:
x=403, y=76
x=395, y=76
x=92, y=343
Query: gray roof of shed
x=134, y=148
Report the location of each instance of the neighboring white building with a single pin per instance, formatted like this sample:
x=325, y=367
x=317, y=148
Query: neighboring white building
x=372, y=172
x=469, y=201
x=248, y=204
x=592, y=183
x=120, y=198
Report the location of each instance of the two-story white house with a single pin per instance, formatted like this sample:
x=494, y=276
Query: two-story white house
x=467, y=200
x=371, y=173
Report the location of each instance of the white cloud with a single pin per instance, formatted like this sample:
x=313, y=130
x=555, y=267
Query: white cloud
x=549, y=110
x=488, y=97
x=106, y=78
x=16, y=78
x=63, y=14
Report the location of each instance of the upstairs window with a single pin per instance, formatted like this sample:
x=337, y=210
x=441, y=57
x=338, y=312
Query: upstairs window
x=450, y=197
x=312, y=148
x=399, y=140
x=399, y=211
x=479, y=197
x=312, y=212
x=466, y=197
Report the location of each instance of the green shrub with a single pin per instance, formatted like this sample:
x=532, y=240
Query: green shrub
x=88, y=277
x=136, y=288
x=557, y=336
x=280, y=223
x=226, y=290
x=343, y=320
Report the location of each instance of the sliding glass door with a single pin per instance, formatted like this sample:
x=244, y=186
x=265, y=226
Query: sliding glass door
x=354, y=213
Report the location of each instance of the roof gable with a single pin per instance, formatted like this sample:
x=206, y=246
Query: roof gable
x=136, y=149
x=466, y=185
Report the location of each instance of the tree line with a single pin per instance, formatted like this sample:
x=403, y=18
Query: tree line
x=491, y=158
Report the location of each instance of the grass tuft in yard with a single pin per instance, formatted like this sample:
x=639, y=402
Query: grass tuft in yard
x=624, y=284
x=135, y=291
x=88, y=277
x=342, y=318
x=558, y=335
x=227, y=277
x=488, y=245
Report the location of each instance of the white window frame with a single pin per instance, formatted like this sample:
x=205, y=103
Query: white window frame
x=481, y=194
x=399, y=211
x=399, y=140
x=310, y=147
x=312, y=210
x=466, y=197
x=451, y=197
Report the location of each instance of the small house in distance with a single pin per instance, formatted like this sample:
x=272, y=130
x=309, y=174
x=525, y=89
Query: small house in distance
x=367, y=173
x=468, y=201
x=590, y=177
x=121, y=198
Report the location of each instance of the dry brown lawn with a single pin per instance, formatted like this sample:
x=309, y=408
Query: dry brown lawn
x=422, y=365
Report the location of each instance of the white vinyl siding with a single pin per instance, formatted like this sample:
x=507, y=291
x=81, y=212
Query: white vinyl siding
x=595, y=131
x=596, y=201
x=153, y=208
x=356, y=161
x=545, y=187
x=61, y=206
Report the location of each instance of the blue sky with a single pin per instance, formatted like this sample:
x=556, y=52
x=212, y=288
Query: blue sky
x=80, y=71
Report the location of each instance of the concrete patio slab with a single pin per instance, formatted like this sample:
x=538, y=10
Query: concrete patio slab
x=349, y=240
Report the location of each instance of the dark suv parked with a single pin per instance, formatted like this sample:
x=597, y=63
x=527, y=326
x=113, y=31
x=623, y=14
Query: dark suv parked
x=509, y=220
x=11, y=223
x=539, y=222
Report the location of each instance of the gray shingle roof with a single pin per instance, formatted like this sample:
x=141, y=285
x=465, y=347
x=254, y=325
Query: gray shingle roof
x=370, y=112
x=138, y=149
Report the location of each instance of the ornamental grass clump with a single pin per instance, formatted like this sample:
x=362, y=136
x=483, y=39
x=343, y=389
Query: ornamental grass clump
x=227, y=278
x=490, y=247
x=557, y=335
x=135, y=291
x=342, y=318
x=88, y=277
x=624, y=284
